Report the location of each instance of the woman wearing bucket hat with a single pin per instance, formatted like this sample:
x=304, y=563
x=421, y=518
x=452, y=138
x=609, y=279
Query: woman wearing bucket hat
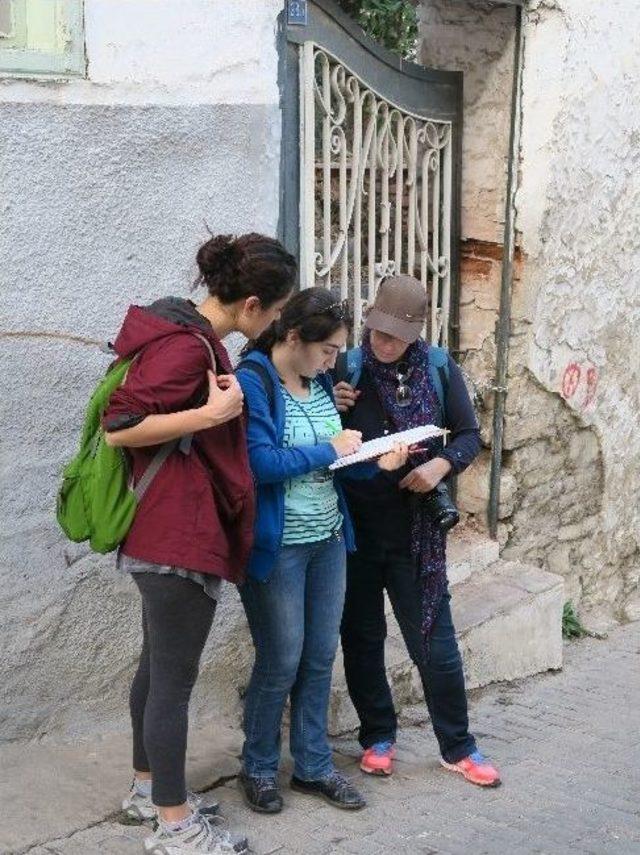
x=396, y=381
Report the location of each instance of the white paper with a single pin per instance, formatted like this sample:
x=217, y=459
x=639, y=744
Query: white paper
x=378, y=447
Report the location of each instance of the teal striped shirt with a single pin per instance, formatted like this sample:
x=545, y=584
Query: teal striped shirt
x=310, y=501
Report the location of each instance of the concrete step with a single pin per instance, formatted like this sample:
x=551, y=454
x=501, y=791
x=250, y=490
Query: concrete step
x=509, y=623
x=469, y=552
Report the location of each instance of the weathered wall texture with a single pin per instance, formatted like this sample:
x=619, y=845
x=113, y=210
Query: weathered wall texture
x=570, y=485
x=477, y=38
x=106, y=183
x=578, y=313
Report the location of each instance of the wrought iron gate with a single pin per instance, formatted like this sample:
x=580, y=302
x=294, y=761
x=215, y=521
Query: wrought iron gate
x=370, y=166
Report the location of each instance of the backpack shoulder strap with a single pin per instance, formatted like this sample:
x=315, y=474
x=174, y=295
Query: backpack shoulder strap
x=207, y=345
x=340, y=371
x=265, y=377
x=354, y=365
x=438, y=358
x=185, y=442
x=156, y=464
x=349, y=366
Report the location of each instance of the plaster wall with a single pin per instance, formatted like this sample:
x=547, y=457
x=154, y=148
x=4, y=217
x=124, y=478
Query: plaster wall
x=106, y=184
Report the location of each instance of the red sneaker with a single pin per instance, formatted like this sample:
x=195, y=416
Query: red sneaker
x=477, y=769
x=378, y=760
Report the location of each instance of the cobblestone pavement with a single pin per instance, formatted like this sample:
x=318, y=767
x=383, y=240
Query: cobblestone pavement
x=569, y=748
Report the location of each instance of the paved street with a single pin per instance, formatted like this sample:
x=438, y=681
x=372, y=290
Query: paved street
x=568, y=745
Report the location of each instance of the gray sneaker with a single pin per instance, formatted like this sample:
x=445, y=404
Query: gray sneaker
x=141, y=809
x=200, y=837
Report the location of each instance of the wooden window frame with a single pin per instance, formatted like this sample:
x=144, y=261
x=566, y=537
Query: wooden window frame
x=18, y=60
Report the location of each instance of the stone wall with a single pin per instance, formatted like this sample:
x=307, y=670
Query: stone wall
x=107, y=183
x=477, y=38
x=570, y=486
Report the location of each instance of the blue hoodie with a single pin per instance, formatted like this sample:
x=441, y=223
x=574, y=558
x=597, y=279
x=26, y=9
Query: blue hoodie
x=272, y=464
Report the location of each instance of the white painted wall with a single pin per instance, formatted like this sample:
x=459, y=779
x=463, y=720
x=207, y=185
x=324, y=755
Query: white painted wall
x=162, y=51
x=106, y=184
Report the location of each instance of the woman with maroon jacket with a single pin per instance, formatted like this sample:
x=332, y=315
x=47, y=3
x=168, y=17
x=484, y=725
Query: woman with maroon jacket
x=193, y=527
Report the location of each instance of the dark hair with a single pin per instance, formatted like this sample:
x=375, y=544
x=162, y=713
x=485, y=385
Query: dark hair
x=314, y=313
x=233, y=268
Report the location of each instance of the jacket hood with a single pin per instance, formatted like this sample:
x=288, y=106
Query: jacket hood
x=170, y=315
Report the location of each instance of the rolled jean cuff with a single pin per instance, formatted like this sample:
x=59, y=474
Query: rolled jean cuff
x=460, y=752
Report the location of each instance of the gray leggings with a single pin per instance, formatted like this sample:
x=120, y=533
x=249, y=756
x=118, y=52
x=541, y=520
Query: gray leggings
x=176, y=619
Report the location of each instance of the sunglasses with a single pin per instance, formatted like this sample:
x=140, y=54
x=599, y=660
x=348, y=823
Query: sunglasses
x=403, y=390
x=339, y=310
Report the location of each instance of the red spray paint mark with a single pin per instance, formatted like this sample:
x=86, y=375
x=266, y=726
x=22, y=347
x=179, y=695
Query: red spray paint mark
x=577, y=377
x=591, y=387
x=571, y=380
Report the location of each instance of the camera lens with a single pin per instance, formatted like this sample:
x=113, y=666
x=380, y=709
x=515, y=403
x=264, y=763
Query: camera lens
x=447, y=519
x=440, y=508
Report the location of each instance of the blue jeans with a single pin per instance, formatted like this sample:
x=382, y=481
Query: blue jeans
x=294, y=619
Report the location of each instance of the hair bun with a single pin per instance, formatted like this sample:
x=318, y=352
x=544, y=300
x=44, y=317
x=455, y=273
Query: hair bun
x=219, y=256
x=234, y=268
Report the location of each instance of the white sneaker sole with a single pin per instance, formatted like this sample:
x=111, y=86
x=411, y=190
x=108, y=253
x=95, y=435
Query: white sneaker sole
x=378, y=773
x=133, y=812
x=160, y=849
x=452, y=768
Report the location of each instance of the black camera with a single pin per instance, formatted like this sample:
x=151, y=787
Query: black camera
x=439, y=507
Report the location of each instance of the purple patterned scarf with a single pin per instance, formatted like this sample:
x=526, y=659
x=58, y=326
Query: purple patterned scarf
x=428, y=543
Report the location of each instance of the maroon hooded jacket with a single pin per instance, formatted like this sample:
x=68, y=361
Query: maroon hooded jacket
x=198, y=512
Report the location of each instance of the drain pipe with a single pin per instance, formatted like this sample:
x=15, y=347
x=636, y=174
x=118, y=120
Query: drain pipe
x=503, y=325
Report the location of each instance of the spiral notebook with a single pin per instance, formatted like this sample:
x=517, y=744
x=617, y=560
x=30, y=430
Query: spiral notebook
x=378, y=447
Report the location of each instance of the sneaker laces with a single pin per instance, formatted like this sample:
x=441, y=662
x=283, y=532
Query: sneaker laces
x=342, y=784
x=197, y=803
x=212, y=835
x=263, y=785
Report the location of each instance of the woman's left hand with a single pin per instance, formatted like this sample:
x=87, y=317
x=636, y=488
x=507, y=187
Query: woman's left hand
x=423, y=479
x=395, y=459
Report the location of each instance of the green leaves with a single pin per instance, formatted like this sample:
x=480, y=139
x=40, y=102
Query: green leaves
x=571, y=626
x=393, y=23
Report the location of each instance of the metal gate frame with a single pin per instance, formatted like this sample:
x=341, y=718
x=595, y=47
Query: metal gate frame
x=424, y=92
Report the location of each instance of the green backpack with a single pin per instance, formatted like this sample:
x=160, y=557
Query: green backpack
x=97, y=501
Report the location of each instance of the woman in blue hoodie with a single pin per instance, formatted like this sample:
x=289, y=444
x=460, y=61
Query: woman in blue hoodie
x=294, y=593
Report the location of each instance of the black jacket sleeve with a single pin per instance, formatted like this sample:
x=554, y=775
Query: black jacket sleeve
x=464, y=443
